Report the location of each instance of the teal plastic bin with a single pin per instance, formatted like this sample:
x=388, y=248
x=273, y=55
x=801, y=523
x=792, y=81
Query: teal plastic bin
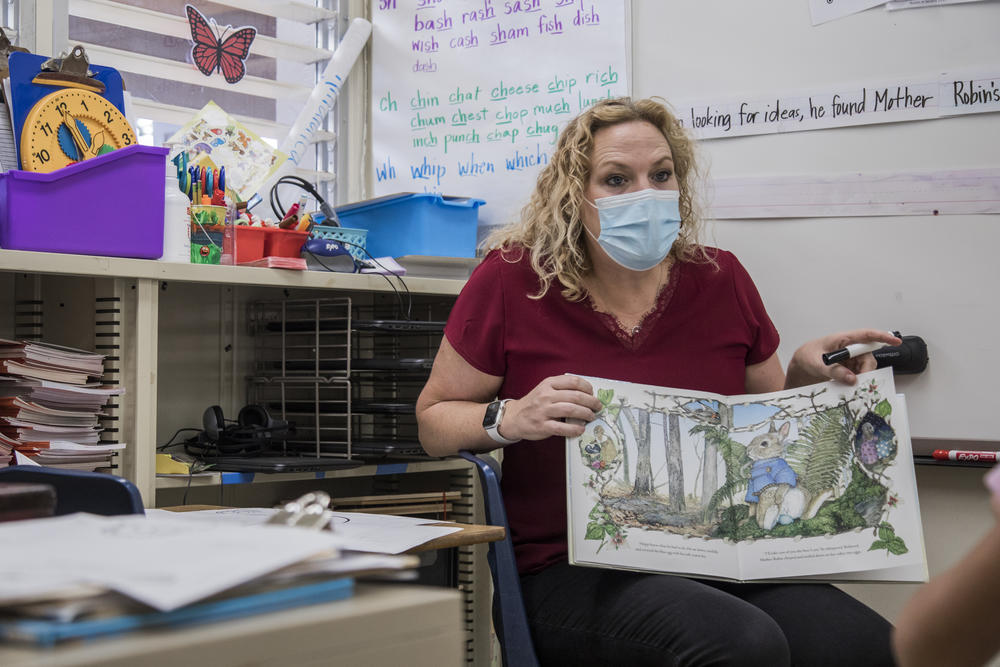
x=354, y=239
x=416, y=224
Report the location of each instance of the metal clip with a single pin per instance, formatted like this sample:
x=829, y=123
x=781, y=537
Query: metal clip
x=311, y=511
x=6, y=48
x=69, y=71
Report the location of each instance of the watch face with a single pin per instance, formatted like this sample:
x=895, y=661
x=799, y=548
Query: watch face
x=492, y=410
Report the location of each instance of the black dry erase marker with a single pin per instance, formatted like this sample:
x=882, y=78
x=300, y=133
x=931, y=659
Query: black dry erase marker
x=853, y=350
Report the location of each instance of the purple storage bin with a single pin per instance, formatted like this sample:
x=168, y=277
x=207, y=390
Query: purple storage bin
x=110, y=205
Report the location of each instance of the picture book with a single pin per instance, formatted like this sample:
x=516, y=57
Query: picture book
x=809, y=483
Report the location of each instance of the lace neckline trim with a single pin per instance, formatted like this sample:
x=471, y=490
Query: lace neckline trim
x=632, y=339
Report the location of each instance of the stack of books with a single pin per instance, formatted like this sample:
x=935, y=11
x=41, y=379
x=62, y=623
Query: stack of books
x=51, y=401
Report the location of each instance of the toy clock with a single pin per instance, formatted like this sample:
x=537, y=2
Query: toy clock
x=65, y=110
x=71, y=125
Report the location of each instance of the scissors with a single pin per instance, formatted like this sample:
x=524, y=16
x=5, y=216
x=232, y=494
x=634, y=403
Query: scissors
x=181, y=161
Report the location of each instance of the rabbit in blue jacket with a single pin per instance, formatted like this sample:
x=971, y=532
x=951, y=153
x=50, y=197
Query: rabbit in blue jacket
x=773, y=485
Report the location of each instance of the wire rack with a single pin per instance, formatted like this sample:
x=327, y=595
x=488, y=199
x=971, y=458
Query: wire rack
x=347, y=374
x=302, y=367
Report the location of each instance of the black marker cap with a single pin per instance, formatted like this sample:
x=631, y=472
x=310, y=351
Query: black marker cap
x=830, y=358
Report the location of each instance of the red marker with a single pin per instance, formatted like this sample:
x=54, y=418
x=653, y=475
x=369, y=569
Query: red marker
x=963, y=455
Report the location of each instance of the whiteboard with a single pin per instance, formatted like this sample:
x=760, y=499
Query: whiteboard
x=935, y=276
x=468, y=96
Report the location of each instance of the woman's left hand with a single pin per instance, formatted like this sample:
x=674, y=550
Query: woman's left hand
x=807, y=367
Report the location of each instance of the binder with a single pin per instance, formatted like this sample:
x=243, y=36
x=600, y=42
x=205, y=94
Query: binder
x=50, y=632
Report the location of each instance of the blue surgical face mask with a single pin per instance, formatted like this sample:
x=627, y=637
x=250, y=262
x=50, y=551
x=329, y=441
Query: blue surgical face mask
x=639, y=228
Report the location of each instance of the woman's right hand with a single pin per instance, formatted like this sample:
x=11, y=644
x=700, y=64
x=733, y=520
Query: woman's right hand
x=541, y=413
x=992, y=482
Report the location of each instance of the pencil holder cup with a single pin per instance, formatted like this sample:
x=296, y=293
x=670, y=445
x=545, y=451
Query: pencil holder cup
x=205, y=253
x=204, y=216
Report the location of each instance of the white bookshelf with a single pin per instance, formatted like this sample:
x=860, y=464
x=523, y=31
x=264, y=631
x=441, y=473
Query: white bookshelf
x=115, y=303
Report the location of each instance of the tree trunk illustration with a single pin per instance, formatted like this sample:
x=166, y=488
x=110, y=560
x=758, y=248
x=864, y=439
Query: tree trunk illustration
x=710, y=481
x=625, y=466
x=675, y=467
x=643, y=465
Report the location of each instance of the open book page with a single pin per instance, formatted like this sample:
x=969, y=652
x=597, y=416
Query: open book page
x=809, y=482
x=893, y=571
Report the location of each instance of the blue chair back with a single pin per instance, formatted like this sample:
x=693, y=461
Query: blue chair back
x=509, y=618
x=79, y=491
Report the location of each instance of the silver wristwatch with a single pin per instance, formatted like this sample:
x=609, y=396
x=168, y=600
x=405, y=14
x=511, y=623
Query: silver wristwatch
x=491, y=422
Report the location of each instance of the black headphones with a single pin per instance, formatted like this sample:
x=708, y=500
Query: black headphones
x=254, y=431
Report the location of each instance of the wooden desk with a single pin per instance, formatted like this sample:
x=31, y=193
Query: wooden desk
x=381, y=624
x=471, y=533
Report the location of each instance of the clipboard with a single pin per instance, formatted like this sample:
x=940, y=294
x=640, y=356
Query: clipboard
x=24, y=94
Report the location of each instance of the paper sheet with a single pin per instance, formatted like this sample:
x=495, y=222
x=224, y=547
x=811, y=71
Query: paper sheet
x=904, y=98
x=355, y=531
x=166, y=563
x=213, y=133
x=384, y=533
x=22, y=460
x=828, y=10
x=916, y=4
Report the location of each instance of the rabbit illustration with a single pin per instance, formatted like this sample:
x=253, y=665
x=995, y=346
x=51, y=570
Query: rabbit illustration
x=773, y=485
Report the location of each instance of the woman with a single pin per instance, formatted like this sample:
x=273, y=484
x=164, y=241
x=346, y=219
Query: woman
x=604, y=276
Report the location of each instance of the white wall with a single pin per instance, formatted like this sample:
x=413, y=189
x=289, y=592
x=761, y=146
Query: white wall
x=930, y=276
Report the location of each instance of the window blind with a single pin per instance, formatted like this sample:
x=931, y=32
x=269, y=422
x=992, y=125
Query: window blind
x=150, y=42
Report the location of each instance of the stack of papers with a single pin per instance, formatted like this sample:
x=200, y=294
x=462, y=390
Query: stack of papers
x=276, y=262
x=44, y=361
x=159, y=563
x=8, y=147
x=50, y=402
x=93, y=575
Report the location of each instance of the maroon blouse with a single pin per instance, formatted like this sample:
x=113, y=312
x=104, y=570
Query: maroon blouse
x=709, y=324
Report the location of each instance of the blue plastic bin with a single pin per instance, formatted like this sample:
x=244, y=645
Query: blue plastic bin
x=416, y=224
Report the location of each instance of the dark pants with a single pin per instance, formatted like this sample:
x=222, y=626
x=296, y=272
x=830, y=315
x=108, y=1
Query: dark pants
x=591, y=616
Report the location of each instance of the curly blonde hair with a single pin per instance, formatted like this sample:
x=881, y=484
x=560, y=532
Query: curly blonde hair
x=551, y=229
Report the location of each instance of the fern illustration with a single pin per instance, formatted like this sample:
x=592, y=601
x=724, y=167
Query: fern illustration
x=823, y=449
